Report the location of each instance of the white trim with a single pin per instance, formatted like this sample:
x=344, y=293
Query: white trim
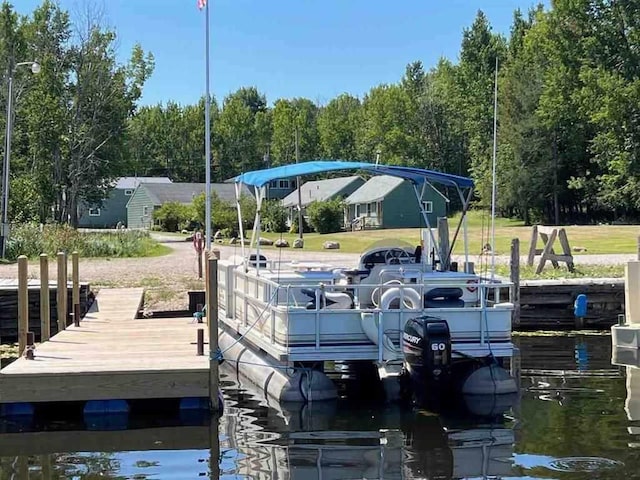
x=128, y=192
x=427, y=206
x=145, y=210
x=94, y=211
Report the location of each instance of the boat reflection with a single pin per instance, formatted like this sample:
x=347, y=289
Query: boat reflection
x=338, y=440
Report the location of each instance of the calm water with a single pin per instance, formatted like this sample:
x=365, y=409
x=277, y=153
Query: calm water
x=575, y=419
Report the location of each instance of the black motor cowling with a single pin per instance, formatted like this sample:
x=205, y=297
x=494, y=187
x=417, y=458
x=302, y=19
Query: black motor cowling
x=426, y=345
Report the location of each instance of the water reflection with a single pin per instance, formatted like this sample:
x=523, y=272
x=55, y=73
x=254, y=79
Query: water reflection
x=342, y=439
x=578, y=417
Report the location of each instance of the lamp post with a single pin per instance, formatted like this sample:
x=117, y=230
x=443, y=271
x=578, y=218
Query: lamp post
x=4, y=228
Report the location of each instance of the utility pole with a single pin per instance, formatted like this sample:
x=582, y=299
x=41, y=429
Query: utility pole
x=299, y=190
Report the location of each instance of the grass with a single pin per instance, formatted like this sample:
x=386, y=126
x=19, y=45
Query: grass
x=581, y=271
x=596, y=239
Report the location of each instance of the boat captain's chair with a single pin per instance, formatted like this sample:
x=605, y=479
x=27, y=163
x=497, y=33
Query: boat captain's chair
x=444, y=297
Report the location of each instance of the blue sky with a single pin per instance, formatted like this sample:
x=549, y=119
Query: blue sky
x=289, y=48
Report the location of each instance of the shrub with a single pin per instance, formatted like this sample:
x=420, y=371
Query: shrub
x=173, y=216
x=31, y=239
x=326, y=217
x=224, y=214
x=274, y=216
x=294, y=224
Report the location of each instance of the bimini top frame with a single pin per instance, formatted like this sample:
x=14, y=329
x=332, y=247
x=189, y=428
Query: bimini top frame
x=418, y=177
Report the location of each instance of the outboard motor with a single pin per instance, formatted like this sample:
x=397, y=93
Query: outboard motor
x=426, y=345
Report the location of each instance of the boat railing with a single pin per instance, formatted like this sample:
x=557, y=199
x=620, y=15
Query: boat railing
x=269, y=306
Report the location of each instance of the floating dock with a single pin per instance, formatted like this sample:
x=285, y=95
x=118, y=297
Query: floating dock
x=112, y=355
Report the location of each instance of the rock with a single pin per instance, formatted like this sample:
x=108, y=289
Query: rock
x=330, y=245
x=265, y=241
x=579, y=249
x=298, y=243
x=281, y=242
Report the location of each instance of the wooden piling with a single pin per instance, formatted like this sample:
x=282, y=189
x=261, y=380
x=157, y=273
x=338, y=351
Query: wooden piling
x=75, y=279
x=62, y=291
x=76, y=314
x=45, y=467
x=639, y=248
x=514, y=276
x=23, y=303
x=214, y=447
x=212, y=320
x=23, y=467
x=45, y=313
x=200, y=342
x=31, y=341
x=199, y=256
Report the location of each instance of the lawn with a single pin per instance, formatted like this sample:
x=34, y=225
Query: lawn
x=596, y=239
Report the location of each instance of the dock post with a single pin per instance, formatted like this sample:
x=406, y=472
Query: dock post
x=75, y=279
x=212, y=320
x=45, y=310
x=200, y=342
x=515, y=280
x=214, y=447
x=23, y=304
x=76, y=314
x=639, y=248
x=31, y=346
x=61, y=294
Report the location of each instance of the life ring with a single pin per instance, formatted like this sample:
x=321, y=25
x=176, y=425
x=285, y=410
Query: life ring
x=472, y=285
x=409, y=295
x=376, y=291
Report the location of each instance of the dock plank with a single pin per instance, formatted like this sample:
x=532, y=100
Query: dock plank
x=112, y=355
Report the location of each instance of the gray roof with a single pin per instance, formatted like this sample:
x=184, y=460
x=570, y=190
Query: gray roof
x=133, y=182
x=375, y=189
x=161, y=193
x=319, y=190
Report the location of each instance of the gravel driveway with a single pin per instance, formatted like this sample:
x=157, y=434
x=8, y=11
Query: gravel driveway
x=169, y=277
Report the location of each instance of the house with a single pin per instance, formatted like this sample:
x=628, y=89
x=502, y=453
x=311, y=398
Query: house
x=321, y=190
x=390, y=202
x=149, y=196
x=113, y=209
x=276, y=189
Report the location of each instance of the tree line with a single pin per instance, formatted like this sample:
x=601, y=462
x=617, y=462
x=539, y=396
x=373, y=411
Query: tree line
x=568, y=141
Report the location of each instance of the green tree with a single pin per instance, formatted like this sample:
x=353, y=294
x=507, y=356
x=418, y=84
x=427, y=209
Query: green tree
x=337, y=127
x=288, y=117
x=327, y=216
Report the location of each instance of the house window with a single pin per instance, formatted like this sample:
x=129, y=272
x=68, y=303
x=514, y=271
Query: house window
x=292, y=184
x=273, y=184
x=145, y=211
x=427, y=206
x=372, y=208
x=283, y=184
x=94, y=212
x=358, y=208
x=128, y=192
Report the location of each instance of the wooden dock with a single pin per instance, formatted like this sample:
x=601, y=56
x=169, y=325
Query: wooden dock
x=112, y=355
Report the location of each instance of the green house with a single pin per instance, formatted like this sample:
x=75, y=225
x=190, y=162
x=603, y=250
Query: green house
x=320, y=191
x=149, y=196
x=113, y=209
x=390, y=202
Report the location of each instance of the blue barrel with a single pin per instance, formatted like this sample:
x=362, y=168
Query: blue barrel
x=580, y=306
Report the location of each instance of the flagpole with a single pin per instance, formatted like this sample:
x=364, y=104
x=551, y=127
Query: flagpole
x=207, y=127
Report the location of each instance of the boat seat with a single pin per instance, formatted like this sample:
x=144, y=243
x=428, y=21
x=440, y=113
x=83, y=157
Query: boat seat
x=331, y=300
x=444, y=297
x=253, y=261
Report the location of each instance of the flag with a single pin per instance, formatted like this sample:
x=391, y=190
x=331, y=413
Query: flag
x=202, y=4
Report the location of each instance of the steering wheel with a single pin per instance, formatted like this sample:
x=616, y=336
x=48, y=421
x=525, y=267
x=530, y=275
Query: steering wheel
x=396, y=255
